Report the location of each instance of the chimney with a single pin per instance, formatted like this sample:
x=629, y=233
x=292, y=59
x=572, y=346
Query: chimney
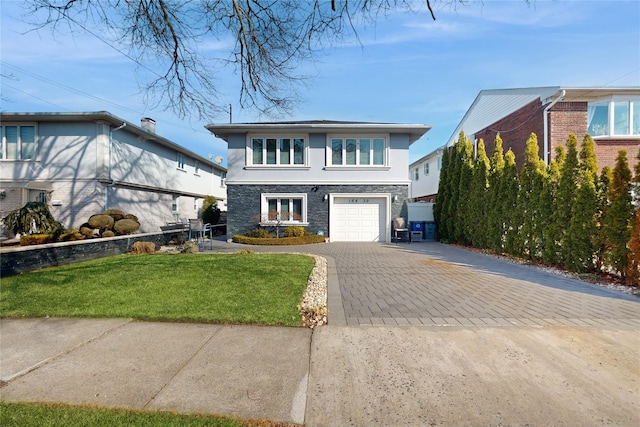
x=148, y=124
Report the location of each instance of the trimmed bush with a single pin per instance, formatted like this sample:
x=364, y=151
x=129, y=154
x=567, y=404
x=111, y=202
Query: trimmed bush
x=143, y=248
x=116, y=214
x=125, y=226
x=101, y=221
x=35, y=239
x=260, y=233
x=71, y=235
x=272, y=241
x=133, y=217
x=108, y=233
x=87, y=231
x=294, y=231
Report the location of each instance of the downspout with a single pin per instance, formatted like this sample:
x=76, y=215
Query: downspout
x=545, y=119
x=111, y=181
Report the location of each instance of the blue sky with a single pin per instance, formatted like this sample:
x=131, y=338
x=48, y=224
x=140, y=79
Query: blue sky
x=408, y=69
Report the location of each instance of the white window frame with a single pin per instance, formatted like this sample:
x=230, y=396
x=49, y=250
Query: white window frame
x=416, y=174
x=426, y=168
x=196, y=168
x=278, y=138
x=180, y=161
x=3, y=145
x=358, y=137
x=264, y=208
x=634, y=104
x=175, y=204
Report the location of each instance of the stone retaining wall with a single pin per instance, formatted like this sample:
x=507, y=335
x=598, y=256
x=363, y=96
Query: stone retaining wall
x=21, y=259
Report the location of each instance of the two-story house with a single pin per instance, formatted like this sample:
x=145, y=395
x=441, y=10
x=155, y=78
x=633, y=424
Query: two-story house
x=347, y=180
x=84, y=163
x=611, y=115
x=425, y=176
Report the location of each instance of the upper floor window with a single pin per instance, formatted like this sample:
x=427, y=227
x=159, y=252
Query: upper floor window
x=196, y=167
x=278, y=151
x=416, y=174
x=180, y=158
x=617, y=117
x=357, y=151
x=426, y=168
x=18, y=142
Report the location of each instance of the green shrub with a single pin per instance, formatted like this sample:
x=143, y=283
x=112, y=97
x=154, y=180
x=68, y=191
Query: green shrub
x=259, y=233
x=294, y=231
x=70, y=236
x=133, y=217
x=32, y=217
x=210, y=211
x=108, y=233
x=87, y=231
x=101, y=221
x=126, y=226
x=116, y=214
x=301, y=240
x=35, y=239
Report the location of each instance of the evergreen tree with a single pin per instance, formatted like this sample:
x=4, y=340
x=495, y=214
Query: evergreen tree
x=442, y=196
x=588, y=160
x=509, y=189
x=618, y=216
x=633, y=273
x=566, y=195
x=495, y=202
x=476, y=218
x=450, y=207
x=548, y=201
x=461, y=232
x=531, y=184
x=602, y=190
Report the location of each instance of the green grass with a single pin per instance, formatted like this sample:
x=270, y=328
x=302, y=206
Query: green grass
x=50, y=415
x=260, y=289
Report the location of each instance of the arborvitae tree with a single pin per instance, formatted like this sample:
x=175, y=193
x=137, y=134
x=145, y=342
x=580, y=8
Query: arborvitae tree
x=618, y=216
x=633, y=273
x=477, y=209
x=583, y=226
x=566, y=195
x=579, y=243
x=509, y=188
x=604, y=182
x=461, y=232
x=495, y=213
x=531, y=183
x=443, y=195
x=550, y=232
x=450, y=207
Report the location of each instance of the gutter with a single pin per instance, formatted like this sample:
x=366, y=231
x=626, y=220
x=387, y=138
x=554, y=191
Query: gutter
x=112, y=182
x=545, y=118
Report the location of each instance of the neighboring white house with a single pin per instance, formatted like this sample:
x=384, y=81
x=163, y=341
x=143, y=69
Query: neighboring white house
x=85, y=163
x=344, y=179
x=425, y=176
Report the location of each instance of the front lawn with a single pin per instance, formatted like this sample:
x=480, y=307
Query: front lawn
x=260, y=289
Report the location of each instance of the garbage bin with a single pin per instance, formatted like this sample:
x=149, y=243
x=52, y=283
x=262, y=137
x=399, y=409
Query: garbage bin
x=430, y=230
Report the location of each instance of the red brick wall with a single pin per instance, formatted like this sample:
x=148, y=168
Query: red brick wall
x=515, y=130
x=564, y=118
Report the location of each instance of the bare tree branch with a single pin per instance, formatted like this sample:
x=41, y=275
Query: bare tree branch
x=271, y=38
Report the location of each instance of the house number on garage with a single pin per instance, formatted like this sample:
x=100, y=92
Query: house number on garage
x=358, y=200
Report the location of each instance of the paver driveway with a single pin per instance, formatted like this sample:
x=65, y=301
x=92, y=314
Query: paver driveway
x=429, y=283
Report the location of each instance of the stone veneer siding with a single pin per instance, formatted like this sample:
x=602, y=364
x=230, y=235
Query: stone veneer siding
x=243, y=203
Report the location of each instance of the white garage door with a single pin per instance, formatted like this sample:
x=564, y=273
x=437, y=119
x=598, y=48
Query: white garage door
x=358, y=219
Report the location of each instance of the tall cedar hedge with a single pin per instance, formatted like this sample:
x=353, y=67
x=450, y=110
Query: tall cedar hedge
x=563, y=213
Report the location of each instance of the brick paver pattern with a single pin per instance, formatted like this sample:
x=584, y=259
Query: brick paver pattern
x=433, y=284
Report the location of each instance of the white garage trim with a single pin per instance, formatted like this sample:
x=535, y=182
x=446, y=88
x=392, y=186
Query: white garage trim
x=385, y=210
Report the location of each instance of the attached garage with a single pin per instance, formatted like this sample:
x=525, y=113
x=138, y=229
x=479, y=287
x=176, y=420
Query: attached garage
x=359, y=217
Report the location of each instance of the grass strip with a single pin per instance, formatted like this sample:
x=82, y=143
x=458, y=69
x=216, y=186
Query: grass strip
x=262, y=289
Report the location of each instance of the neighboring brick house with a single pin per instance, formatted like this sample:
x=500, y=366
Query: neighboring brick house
x=84, y=163
x=345, y=179
x=610, y=115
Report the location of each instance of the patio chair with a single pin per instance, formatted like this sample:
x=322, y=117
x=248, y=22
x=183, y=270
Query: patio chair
x=198, y=230
x=399, y=227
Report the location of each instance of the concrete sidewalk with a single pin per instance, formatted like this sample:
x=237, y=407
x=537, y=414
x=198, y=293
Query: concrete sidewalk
x=245, y=371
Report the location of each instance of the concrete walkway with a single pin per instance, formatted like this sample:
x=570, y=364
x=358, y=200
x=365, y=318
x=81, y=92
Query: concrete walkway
x=418, y=334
